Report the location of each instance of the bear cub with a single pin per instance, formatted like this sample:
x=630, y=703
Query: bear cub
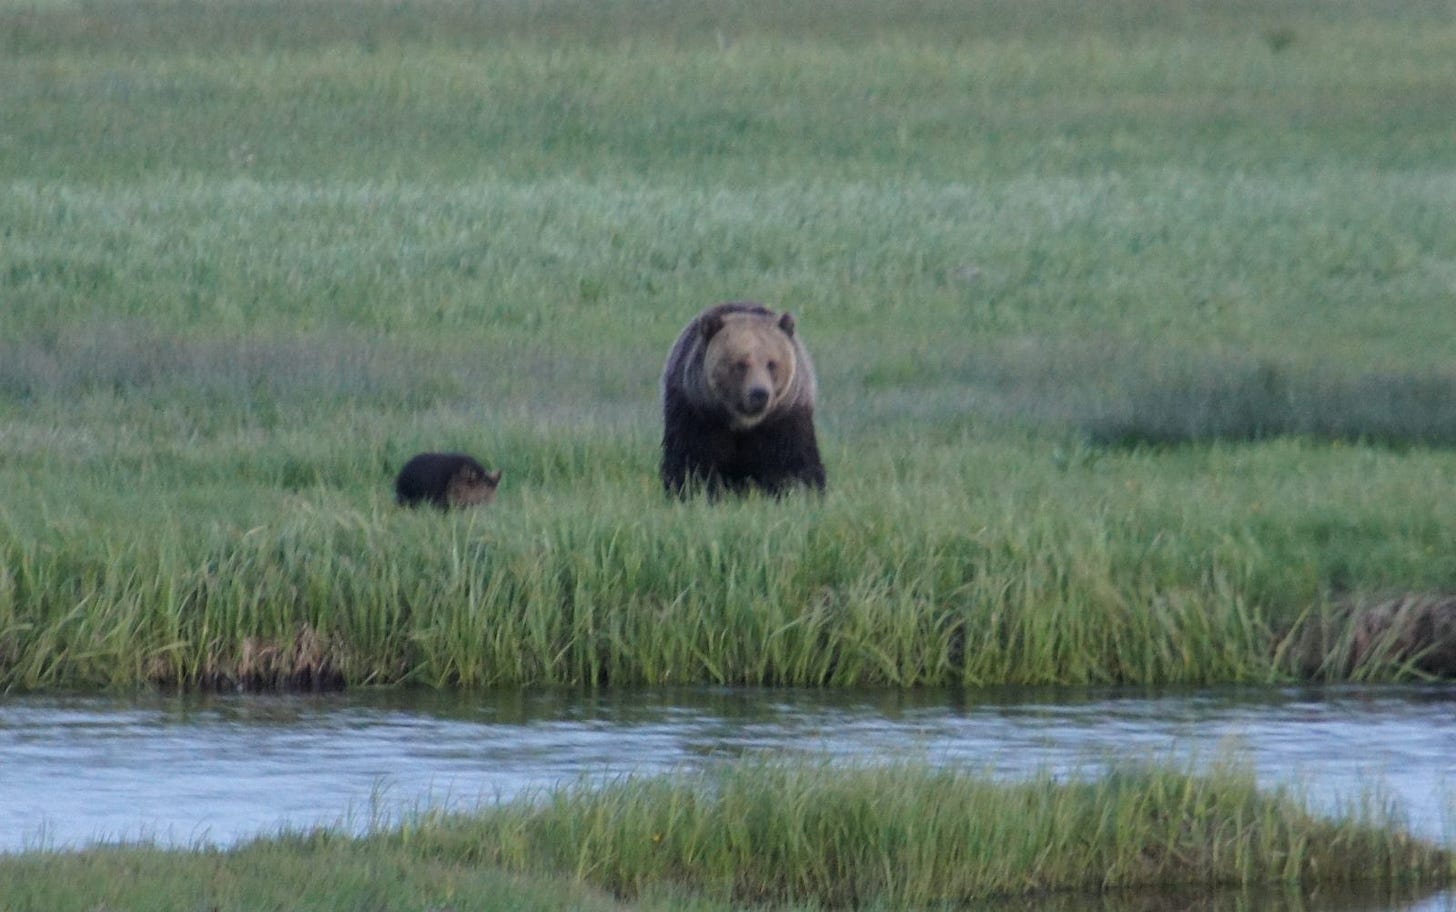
x=445, y=480
x=738, y=395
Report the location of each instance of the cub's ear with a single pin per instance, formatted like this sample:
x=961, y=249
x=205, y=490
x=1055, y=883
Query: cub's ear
x=786, y=323
x=709, y=326
x=493, y=478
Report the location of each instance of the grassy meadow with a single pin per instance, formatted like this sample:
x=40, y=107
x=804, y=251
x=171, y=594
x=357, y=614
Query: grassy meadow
x=1133, y=329
x=1132, y=322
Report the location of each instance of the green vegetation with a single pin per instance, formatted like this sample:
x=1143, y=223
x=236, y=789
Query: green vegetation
x=1132, y=321
x=796, y=835
x=254, y=255
x=906, y=837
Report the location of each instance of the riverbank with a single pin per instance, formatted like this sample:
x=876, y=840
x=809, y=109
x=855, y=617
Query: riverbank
x=798, y=835
x=611, y=587
x=82, y=766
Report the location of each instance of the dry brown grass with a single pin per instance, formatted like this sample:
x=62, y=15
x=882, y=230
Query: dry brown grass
x=308, y=660
x=1410, y=635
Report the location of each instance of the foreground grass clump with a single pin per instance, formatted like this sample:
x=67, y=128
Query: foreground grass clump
x=304, y=874
x=794, y=834
x=907, y=836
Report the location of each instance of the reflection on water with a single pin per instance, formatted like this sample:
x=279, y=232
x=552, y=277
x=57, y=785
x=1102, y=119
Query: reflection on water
x=184, y=770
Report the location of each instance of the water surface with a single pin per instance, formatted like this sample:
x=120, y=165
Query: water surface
x=216, y=770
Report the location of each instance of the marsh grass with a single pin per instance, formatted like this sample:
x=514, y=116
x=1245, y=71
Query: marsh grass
x=305, y=874
x=255, y=544
x=604, y=584
x=1242, y=401
x=907, y=836
x=799, y=835
x=254, y=256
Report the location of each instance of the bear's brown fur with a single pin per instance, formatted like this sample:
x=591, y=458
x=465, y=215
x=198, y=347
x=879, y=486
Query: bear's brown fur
x=738, y=394
x=445, y=480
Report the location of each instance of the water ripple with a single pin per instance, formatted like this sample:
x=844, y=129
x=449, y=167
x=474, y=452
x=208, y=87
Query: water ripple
x=217, y=770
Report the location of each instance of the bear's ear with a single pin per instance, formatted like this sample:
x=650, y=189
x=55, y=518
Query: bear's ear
x=786, y=323
x=493, y=478
x=709, y=326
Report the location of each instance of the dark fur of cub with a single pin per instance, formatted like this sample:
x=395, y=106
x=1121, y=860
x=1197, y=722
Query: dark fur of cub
x=445, y=480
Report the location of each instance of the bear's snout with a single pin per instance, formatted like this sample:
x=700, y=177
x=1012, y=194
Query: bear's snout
x=755, y=400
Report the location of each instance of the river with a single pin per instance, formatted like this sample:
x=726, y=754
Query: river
x=188, y=770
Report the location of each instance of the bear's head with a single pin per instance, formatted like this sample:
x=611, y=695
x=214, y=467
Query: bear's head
x=471, y=486
x=749, y=362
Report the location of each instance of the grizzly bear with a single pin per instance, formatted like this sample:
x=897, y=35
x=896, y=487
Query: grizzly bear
x=445, y=480
x=738, y=405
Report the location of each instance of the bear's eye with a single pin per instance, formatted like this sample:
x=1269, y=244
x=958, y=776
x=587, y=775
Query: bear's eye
x=773, y=367
x=740, y=367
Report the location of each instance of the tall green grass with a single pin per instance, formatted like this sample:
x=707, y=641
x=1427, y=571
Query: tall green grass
x=906, y=837
x=253, y=256
x=1139, y=572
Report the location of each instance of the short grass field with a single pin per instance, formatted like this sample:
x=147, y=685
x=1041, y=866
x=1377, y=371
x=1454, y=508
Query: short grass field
x=1133, y=325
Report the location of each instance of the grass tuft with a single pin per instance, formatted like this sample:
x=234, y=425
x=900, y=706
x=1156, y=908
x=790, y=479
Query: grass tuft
x=908, y=836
